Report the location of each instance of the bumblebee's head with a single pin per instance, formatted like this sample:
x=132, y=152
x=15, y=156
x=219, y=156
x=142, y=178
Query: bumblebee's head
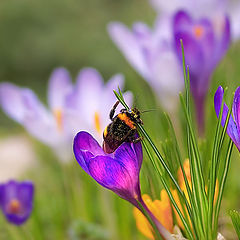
x=135, y=114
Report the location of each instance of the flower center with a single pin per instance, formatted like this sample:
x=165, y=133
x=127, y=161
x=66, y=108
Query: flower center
x=198, y=31
x=14, y=207
x=59, y=119
x=97, y=122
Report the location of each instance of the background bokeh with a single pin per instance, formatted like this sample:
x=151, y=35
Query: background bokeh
x=38, y=36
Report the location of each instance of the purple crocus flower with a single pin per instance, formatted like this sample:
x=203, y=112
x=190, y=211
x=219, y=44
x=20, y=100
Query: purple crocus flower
x=117, y=171
x=85, y=106
x=50, y=126
x=16, y=201
x=204, y=47
x=233, y=129
x=216, y=10
x=151, y=52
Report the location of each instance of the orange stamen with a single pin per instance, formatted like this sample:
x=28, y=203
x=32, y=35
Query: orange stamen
x=97, y=122
x=198, y=31
x=59, y=119
x=14, y=207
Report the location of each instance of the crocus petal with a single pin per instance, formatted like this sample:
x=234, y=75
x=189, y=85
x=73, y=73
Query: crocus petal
x=24, y=107
x=201, y=32
x=236, y=108
x=109, y=98
x=118, y=171
x=142, y=30
x=26, y=192
x=85, y=147
x=121, y=172
x=162, y=30
x=89, y=92
x=59, y=87
x=223, y=36
x=192, y=50
x=226, y=35
x=207, y=40
x=232, y=128
x=130, y=155
x=112, y=174
x=181, y=20
x=167, y=78
x=108, y=104
x=114, y=82
x=18, y=103
x=129, y=45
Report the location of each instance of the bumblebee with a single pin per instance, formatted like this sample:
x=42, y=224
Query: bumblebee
x=122, y=128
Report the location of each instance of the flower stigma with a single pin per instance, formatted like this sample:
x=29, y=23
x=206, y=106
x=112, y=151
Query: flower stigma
x=14, y=207
x=198, y=31
x=97, y=122
x=59, y=119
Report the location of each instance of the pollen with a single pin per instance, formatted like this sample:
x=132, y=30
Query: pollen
x=198, y=31
x=59, y=119
x=97, y=122
x=14, y=207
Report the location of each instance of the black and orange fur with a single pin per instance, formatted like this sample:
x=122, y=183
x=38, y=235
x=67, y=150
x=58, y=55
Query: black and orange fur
x=122, y=128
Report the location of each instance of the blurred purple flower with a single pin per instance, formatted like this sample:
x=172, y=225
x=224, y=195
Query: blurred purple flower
x=117, y=171
x=70, y=108
x=216, y=10
x=16, y=201
x=152, y=54
x=203, y=48
x=49, y=126
x=233, y=129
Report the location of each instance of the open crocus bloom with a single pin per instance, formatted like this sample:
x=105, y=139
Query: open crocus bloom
x=213, y=9
x=16, y=201
x=204, y=47
x=233, y=129
x=152, y=54
x=48, y=125
x=70, y=109
x=118, y=171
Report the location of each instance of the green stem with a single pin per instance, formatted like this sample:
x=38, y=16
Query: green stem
x=185, y=223
x=222, y=185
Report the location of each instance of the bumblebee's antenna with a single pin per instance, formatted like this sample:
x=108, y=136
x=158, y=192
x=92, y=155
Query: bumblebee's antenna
x=150, y=110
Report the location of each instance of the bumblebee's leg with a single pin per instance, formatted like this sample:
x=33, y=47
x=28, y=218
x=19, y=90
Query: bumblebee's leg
x=136, y=140
x=112, y=112
x=133, y=137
